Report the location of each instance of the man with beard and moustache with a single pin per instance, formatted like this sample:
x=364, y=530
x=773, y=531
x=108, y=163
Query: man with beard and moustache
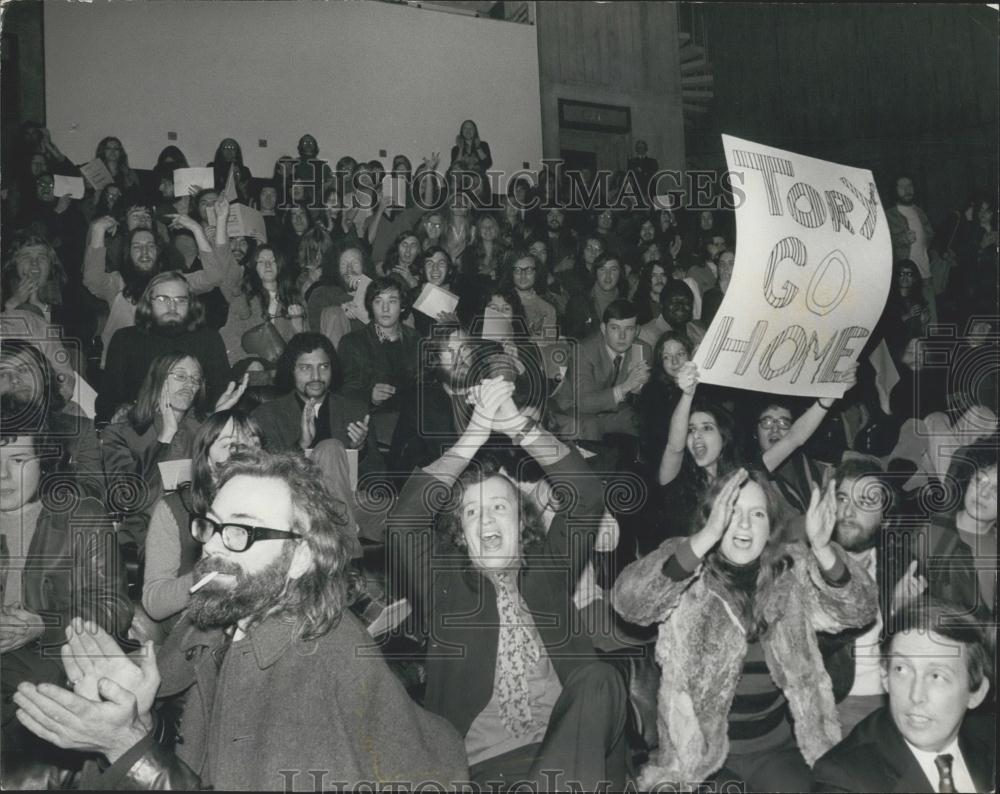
x=676, y=312
x=434, y=420
x=283, y=688
x=907, y=559
x=311, y=419
x=911, y=233
x=167, y=318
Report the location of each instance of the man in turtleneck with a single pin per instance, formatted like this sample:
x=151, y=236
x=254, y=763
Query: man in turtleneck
x=168, y=318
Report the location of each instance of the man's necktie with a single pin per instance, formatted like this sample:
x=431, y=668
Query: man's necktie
x=618, y=368
x=945, y=784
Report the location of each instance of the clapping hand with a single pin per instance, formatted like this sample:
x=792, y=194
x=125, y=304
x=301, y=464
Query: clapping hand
x=489, y=396
x=232, y=394
x=308, y=424
x=722, y=512
x=357, y=432
x=821, y=518
x=382, y=392
x=167, y=415
x=19, y=627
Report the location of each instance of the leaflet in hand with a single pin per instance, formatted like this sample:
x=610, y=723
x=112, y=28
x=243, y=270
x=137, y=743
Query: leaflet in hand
x=175, y=472
x=187, y=178
x=97, y=173
x=433, y=300
x=71, y=186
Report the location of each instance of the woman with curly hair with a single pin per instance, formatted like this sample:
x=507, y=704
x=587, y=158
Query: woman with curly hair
x=534, y=695
x=743, y=684
x=111, y=152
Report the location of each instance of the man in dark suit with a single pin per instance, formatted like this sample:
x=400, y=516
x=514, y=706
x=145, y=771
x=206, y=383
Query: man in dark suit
x=936, y=668
x=610, y=367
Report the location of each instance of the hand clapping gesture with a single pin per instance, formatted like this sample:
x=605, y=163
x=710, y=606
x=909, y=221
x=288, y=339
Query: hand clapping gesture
x=821, y=518
x=232, y=394
x=722, y=512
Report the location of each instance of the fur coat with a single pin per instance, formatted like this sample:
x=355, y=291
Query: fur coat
x=702, y=644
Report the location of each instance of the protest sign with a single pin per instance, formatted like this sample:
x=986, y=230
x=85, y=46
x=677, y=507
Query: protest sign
x=197, y=178
x=810, y=279
x=71, y=186
x=97, y=173
x=433, y=300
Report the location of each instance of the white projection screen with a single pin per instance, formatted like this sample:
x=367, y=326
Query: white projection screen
x=359, y=76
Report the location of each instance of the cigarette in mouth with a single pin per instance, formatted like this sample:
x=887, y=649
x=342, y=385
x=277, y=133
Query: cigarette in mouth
x=208, y=577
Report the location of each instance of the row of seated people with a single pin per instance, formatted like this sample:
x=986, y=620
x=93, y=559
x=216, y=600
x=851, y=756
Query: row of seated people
x=875, y=547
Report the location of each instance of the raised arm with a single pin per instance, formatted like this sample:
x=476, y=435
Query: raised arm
x=101, y=284
x=804, y=427
x=673, y=453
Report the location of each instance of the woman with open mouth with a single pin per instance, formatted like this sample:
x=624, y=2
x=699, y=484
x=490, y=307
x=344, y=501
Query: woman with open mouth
x=744, y=696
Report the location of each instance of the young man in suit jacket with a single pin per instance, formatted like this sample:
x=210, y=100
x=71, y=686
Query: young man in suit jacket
x=936, y=668
x=610, y=367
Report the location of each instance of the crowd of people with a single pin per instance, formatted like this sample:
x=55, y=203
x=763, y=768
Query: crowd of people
x=617, y=577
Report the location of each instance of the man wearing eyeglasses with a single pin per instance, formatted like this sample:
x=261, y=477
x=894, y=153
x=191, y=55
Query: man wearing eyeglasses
x=168, y=318
x=907, y=558
x=283, y=689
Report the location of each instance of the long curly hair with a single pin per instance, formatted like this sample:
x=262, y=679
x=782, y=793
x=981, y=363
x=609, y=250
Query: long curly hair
x=144, y=308
x=253, y=287
x=147, y=405
x=317, y=598
x=747, y=585
x=51, y=291
x=203, y=476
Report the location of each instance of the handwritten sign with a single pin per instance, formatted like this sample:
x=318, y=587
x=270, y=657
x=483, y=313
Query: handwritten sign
x=810, y=279
x=97, y=173
x=245, y=221
x=197, y=178
x=71, y=186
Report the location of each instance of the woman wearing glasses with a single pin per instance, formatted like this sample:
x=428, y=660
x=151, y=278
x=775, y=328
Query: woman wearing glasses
x=171, y=549
x=160, y=427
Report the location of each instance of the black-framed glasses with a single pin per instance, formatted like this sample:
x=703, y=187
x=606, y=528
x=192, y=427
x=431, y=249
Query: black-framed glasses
x=235, y=537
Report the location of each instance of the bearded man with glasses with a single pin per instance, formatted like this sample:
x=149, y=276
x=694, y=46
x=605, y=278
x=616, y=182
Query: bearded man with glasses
x=283, y=689
x=168, y=319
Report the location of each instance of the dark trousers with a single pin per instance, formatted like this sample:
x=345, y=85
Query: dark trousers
x=583, y=744
x=783, y=769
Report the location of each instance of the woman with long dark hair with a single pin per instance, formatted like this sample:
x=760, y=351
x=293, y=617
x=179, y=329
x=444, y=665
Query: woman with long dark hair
x=171, y=552
x=660, y=395
x=469, y=152
x=743, y=684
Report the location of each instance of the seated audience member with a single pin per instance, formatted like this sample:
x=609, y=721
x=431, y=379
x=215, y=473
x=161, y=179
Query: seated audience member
x=228, y=164
x=660, y=395
x=906, y=315
x=171, y=551
x=33, y=280
x=937, y=664
x=704, y=270
x=24, y=324
x=526, y=273
x=56, y=218
x=892, y=551
x=533, y=696
x=167, y=318
x=433, y=421
x=402, y=259
x=676, y=307
x=609, y=369
x=585, y=312
x=111, y=152
x=333, y=306
x=482, y=260
x=652, y=280
x=266, y=648
x=712, y=299
x=28, y=378
x=746, y=689
x=58, y=563
x=159, y=427
x=434, y=266
x=262, y=293
x=380, y=360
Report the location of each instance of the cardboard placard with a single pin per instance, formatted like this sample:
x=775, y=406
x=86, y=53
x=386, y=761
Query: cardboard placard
x=811, y=276
x=71, y=186
x=187, y=178
x=245, y=221
x=97, y=173
x=433, y=300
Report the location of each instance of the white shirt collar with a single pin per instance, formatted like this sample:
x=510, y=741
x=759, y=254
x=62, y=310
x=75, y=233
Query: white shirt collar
x=959, y=771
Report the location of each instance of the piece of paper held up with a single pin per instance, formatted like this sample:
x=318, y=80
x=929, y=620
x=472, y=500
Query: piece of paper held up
x=97, y=174
x=85, y=396
x=71, y=186
x=433, y=300
x=175, y=472
x=810, y=279
x=187, y=178
x=496, y=326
